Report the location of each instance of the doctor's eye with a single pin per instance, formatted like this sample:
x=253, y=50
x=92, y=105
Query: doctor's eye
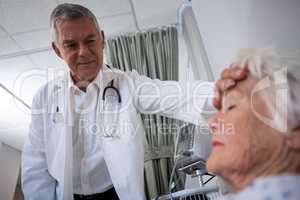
x=71, y=45
x=90, y=41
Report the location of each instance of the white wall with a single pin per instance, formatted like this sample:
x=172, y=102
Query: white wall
x=10, y=160
x=227, y=26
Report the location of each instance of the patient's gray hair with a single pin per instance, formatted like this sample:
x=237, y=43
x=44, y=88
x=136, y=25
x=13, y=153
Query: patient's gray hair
x=281, y=74
x=69, y=11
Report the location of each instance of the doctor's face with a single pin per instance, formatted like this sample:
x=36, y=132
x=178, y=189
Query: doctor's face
x=80, y=45
x=241, y=141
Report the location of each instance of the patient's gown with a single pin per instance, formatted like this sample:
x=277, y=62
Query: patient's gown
x=281, y=187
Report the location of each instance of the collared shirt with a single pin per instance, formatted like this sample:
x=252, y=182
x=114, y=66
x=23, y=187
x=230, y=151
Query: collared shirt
x=90, y=173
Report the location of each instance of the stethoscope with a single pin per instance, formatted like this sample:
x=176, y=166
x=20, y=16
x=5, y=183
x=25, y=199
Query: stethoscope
x=112, y=87
x=110, y=112
x=107, y=110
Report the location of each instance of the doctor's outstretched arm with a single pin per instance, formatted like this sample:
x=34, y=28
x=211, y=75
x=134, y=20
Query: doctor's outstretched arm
x=192, y=101
x=37, y=183
x=187, y=101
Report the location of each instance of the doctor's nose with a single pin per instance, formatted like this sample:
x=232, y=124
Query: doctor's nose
x=83, y=50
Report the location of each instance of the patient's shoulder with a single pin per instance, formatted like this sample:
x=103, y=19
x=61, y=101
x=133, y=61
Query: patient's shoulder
x=285, y=187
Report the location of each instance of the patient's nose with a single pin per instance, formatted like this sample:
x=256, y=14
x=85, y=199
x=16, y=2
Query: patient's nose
x=213, y=123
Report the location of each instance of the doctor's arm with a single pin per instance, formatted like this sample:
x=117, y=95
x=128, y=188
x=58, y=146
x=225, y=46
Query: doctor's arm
x=37, y=183
x=188, y=101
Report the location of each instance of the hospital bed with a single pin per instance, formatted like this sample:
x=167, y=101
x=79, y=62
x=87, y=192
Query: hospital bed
x=189, y=163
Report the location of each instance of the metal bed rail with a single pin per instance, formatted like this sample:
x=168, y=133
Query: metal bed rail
x=189, y=193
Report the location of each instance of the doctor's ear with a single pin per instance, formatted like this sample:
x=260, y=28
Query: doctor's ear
x=293, y=140
x=56, y=49
x=103, y=38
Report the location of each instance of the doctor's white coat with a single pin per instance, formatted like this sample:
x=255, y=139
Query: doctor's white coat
x=48, y=155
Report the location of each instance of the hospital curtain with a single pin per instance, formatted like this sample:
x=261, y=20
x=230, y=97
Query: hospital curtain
x=153, y=53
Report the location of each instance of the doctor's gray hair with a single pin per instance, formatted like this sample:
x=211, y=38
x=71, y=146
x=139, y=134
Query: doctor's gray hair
x=68, y=11
x=281, y=75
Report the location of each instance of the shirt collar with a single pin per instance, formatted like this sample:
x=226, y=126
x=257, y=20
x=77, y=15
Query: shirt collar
x=107, y=75
x=104, y=76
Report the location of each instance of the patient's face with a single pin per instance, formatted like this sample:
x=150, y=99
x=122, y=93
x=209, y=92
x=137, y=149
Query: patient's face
x=241, y=142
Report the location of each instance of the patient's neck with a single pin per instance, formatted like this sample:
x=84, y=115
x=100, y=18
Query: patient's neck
x=282, y=160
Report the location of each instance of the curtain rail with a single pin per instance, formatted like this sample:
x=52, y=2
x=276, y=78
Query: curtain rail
x=175, y=25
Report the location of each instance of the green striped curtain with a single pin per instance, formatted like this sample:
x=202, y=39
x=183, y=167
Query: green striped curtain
x=153, y=53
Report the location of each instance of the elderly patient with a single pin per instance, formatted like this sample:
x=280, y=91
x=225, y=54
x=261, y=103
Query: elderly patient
x=256, y=133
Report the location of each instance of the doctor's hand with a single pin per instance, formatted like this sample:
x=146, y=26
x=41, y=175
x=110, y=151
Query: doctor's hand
x=229, y=78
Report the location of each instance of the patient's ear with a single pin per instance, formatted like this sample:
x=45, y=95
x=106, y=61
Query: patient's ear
x=293, y=140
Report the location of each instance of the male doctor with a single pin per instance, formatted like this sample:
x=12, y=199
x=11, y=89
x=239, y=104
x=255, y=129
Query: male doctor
x=86, y=135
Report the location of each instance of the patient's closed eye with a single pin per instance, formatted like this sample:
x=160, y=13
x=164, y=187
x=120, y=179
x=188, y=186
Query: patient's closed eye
x=231, y=107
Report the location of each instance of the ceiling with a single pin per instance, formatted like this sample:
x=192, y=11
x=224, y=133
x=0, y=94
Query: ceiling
x=25, y=53
x=24, y=24
x=25, y=35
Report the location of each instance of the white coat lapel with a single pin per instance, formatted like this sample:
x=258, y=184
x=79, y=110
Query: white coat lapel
x=65, y=144
x=125, y=149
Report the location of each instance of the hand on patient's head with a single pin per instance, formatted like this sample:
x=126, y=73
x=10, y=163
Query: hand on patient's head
x=229, y=77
